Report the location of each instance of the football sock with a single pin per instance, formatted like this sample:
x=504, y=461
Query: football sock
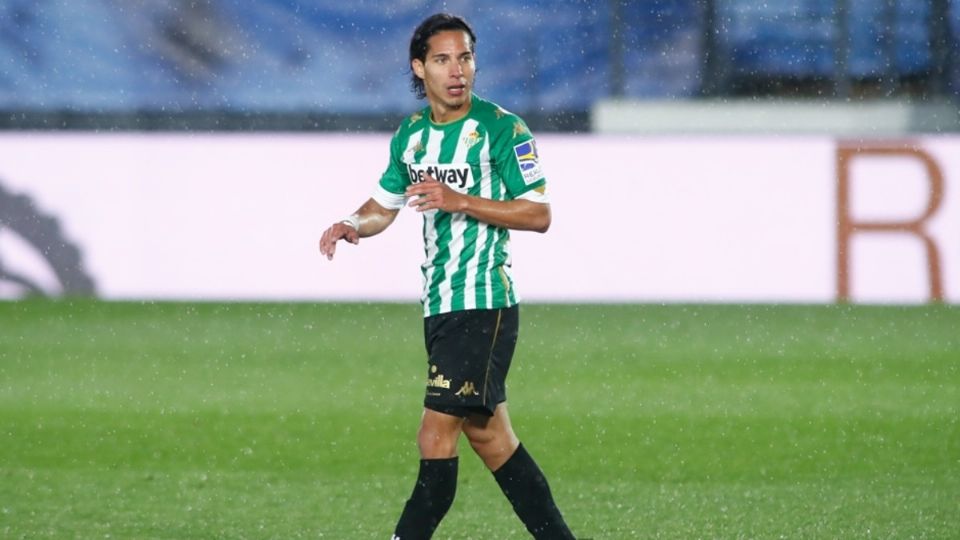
x=526, y=488
x=431, y=498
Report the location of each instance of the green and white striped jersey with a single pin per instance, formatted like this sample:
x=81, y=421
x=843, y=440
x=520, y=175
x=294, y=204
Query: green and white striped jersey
x=488, y=153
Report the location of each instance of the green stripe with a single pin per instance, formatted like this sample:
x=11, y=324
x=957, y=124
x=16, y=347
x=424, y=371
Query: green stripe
x=442, y=224
x=503, y=295
x=471, y=248
x=484, y=265
x=492, y=254
x=460, y=275
x=498, y=287
x=443, y=221
x=451, y=138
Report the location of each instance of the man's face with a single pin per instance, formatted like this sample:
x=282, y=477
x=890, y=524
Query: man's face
x=447, y=71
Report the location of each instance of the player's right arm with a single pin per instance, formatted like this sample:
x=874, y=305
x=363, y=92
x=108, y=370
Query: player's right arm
x=370, y=219
x=380, y=210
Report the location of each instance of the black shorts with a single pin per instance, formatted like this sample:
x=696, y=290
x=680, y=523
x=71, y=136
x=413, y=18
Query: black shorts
x=469, y=354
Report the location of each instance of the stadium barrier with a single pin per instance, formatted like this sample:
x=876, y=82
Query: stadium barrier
x=869, y=118
x=639, y=219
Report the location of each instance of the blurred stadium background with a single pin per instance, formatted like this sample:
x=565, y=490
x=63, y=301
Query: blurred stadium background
x=296, y=65
x=701, y=368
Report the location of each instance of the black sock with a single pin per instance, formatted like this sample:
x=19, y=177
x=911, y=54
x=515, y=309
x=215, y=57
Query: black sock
x=526, y=488
x=431, y=498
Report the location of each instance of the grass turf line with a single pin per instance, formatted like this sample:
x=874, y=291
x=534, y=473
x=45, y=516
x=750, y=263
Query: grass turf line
x=179, y=420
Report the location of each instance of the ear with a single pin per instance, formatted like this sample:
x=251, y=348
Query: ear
x=417, y=66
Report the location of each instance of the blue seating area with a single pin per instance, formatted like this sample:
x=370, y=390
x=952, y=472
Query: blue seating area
x=798, y=39
x=351, y=58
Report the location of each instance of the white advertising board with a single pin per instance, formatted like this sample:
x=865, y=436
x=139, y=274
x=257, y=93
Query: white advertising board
x=635, y=219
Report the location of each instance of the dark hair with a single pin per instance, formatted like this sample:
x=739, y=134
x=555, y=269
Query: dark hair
x=418, y=43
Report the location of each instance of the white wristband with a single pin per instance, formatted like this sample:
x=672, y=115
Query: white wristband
x=353, y=221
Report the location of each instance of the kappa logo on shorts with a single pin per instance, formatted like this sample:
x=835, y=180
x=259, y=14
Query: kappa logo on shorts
x=528, y=161
x=467, y=390
x=438, y=381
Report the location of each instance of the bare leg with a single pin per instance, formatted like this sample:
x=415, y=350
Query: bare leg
x=492, y=437
x=517, y=473
x=437, y=479
x=438, y=435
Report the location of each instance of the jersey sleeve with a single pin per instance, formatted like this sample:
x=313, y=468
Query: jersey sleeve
x=393, y=182
x=518, y=162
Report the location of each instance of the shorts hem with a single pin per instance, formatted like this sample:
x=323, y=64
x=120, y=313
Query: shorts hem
x=462, y=411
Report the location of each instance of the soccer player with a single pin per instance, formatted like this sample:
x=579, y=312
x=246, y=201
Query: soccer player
x=471, y=168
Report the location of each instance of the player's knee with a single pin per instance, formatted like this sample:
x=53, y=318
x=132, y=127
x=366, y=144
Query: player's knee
x=436, y=444
x=493, y=443
x=486, y=443
x=480, y=442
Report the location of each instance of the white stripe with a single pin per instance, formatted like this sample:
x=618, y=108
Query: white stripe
x=430, y=251
x=487, y=191
x=508, y=260
x=492, y=273
x=430, y=229
x=460, y=154
x=412, y=143
x=458, y=226
x=470, y=298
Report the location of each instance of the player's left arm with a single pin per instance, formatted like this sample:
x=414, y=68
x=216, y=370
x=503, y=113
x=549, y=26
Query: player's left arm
x=519, y=214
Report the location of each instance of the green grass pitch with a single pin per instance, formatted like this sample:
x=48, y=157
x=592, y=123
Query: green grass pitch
x=182, y=420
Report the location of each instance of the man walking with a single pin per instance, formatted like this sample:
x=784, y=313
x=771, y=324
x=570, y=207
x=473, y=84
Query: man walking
x=471, y=168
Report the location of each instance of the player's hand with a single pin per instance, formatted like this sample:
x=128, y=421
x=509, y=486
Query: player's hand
x=431, y=194
x=336, y=232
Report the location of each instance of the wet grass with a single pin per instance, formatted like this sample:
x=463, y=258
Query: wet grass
x=169, y=420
